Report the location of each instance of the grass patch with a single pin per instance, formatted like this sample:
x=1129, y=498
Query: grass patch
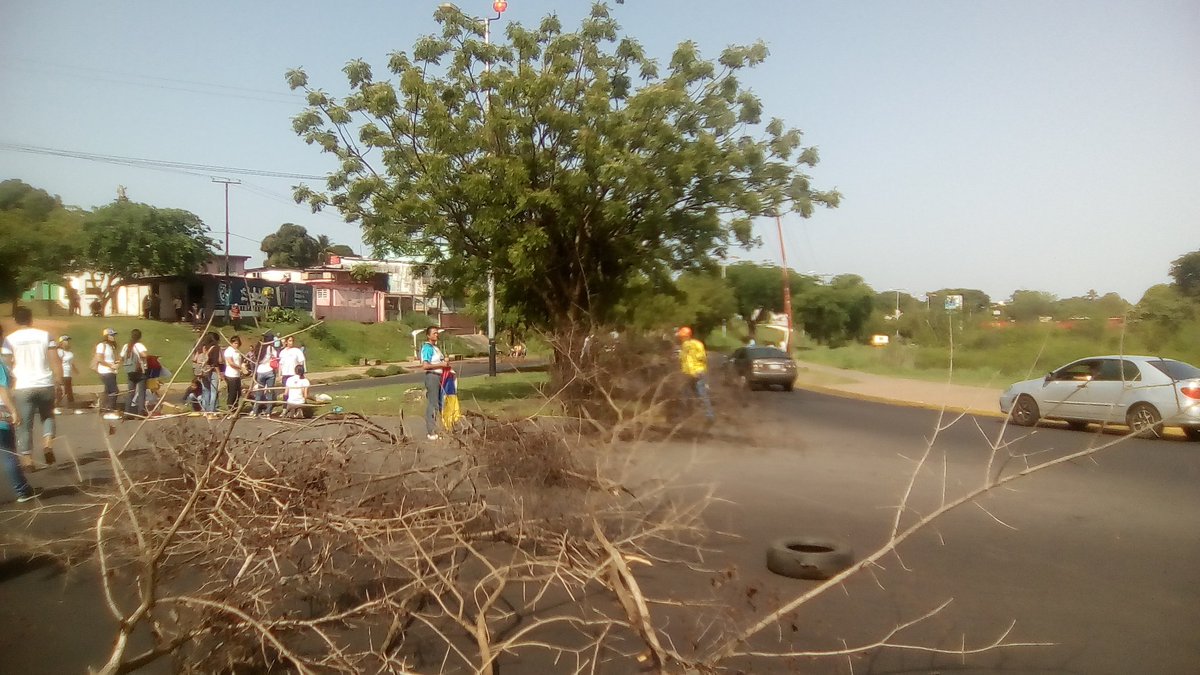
x=506, y=395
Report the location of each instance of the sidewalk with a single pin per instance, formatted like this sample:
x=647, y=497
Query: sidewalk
x=918, y=393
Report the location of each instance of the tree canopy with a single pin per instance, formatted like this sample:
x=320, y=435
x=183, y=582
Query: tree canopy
x=1185, y=273
x=39, y=238
x=571, y=164
x=126, y=240
x=290, y=246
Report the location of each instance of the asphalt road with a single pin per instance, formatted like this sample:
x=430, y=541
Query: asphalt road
x=1100, y=556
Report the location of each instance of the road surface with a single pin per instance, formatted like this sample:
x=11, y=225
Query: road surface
x=1100, y=556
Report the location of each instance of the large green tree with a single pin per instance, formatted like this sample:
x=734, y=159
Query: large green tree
x=290, y=246
x=126, y=240
x=39, y=238
x=1185, y=273
x=569, y=163
x=836, y=312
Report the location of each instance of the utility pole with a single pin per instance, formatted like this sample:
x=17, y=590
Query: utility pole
x=227, y=182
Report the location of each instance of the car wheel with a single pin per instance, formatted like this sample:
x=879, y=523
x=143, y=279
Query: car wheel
x=789, y=386
x=808, y=557
x=1144, y=421
x=1077, y=425
x=1192, y=433
x=1025, y=411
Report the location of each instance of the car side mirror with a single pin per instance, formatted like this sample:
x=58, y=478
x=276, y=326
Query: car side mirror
x=1048, y=377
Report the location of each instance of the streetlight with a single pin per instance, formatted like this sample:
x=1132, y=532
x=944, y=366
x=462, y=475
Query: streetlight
x=498, y=6
x=787, y=286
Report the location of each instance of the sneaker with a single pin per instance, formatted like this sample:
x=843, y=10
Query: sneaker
x=48, y=455
x=79, y=412
x=111, y=416
x=29, y=496
x=58, y=411
x=432, y=437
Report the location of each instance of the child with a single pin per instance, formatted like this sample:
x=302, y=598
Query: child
x=296, y=391
x=194, y=395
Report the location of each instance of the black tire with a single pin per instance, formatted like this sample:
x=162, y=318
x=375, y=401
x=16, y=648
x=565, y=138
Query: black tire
x=808, y=557
x=1144, y=421
x=1025, y=411
x=1077, y=425
x=789, y=386
x=1192, y=433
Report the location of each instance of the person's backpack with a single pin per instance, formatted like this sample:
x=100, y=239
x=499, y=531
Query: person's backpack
x=131, y=362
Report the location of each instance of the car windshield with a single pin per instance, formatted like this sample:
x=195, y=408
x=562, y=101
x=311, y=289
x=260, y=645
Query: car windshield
x=765, y=353
x=1177, y=370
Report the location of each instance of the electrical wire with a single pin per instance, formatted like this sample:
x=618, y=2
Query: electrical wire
x=184, y=167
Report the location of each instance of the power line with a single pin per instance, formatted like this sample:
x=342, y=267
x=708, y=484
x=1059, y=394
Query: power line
x=109, y=75
x=153, y=163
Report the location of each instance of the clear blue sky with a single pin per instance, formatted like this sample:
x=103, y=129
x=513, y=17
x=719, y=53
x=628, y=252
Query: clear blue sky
x=1036, y=145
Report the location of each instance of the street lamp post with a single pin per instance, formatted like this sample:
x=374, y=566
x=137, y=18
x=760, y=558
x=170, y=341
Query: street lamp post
x=787, y=286
x=499, y=6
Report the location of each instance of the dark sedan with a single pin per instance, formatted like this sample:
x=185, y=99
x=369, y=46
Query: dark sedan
x=756, y=367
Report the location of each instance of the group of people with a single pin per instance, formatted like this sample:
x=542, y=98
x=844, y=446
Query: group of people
x=271, y=360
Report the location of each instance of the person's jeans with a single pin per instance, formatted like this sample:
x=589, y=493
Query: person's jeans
x=699, y=388
x=263, y=395
x=8, y=456
x=208, y=391
x=38, y=400
x=109, y=401
x=433, y=401
x=137, y=394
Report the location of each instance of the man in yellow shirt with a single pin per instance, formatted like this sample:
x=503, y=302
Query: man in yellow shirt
x=693, y=362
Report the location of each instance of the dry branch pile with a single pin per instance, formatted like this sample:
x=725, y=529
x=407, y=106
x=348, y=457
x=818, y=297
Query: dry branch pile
x=343, y=549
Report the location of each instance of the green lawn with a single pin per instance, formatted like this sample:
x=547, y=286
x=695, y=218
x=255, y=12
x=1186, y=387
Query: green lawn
x=506, y=395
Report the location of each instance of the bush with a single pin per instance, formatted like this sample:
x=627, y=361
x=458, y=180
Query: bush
x=393, y=369
x=283, y=315
x=376, y=372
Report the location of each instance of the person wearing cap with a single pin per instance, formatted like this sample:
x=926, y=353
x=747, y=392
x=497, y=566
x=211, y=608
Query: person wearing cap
x=37, y=370
x=693, y=362
x=104, y=362
x=64, y=393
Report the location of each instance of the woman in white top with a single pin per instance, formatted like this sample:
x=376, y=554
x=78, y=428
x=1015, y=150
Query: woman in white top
x=233, y=373
x=291, y=358
x=104, y=362
x=64, y=392
x=297, y=393
x=266, y=358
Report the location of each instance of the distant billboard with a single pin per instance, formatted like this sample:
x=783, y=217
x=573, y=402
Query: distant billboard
x=953, y=302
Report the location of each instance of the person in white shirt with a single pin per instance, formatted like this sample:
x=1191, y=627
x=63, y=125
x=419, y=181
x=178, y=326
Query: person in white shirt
x=266, y=359
x=65, y=394
x=290, y=358
x=104, y=362
x=296, y=390
x=233, y=373
x=133, y=357
x=36, y=370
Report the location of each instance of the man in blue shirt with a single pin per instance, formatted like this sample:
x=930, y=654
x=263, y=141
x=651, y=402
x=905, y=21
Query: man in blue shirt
x=433, y=362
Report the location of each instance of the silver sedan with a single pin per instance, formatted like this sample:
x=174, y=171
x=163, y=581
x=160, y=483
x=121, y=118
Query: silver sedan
x=1146, y=393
